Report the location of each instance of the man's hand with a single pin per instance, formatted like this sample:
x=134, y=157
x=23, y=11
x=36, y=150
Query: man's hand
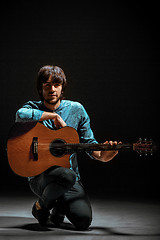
x=105, y=156
x=58, y=121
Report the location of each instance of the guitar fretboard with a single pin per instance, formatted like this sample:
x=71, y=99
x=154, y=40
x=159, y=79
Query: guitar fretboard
x=69, y=148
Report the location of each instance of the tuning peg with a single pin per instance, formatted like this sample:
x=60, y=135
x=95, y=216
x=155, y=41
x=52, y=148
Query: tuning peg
x=140, y=153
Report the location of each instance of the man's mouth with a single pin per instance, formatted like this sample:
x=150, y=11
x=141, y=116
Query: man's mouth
x=52, y=94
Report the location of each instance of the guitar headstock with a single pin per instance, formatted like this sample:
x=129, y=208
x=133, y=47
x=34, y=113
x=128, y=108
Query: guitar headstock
x=144, y=147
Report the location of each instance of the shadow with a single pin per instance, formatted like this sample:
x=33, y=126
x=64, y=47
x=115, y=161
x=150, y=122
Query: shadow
x=24, y=223
x=21, y=223
x=129, y=232
x=16, y=225
x=33, y=227
x=49, y=227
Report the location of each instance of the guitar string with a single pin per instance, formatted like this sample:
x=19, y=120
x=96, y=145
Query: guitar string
x=81, y=146
x=73, y=147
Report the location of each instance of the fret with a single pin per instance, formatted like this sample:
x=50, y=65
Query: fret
x=70, y=148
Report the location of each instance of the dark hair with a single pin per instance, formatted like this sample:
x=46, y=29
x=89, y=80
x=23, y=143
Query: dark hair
x=55, y=73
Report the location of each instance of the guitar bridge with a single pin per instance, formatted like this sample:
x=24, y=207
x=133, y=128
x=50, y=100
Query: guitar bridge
x=35, y=148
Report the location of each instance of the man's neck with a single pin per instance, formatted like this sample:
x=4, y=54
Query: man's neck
x=52, y=107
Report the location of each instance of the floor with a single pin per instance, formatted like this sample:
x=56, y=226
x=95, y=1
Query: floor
x=113, y=218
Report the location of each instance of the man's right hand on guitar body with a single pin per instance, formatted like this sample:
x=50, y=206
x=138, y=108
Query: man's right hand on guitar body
x=58, y=121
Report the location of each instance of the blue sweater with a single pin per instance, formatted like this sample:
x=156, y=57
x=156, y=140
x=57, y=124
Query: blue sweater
x=73, y=114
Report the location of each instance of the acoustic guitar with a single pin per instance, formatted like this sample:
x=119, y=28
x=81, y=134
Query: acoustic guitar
x=32, y=148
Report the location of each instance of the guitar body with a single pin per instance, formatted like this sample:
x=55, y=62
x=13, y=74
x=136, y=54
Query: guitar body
x=20, y=148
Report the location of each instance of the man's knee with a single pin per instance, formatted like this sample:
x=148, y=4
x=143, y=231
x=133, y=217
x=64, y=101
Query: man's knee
x=83, y=223
x=82, y=218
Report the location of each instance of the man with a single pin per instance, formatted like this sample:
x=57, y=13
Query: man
x=59, y=190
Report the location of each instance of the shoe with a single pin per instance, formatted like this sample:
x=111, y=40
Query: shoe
x=41, y=215
x=56, y=216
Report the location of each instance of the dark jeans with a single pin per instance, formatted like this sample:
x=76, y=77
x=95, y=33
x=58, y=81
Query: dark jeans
x=58, y=183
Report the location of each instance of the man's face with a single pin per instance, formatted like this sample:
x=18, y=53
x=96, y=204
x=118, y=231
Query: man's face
x=51, y=92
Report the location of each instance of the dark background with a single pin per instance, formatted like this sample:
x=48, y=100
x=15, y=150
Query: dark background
x=110, y=54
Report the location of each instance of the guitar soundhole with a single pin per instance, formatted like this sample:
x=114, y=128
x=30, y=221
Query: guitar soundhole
x=57, y=148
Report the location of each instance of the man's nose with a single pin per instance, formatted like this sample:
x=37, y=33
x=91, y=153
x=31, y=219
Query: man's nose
x=53, y=88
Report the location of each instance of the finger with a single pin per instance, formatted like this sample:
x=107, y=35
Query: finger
x=56, y=123
x=111, y=143
x=55, y=115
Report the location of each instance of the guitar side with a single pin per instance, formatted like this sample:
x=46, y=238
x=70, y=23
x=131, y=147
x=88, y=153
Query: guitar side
x=20, y=147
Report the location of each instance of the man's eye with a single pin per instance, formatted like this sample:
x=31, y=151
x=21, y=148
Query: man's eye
x=56, y=84
x=47, y=85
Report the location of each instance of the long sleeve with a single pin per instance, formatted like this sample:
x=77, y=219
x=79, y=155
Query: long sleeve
x=85, y=132
x=28, y=112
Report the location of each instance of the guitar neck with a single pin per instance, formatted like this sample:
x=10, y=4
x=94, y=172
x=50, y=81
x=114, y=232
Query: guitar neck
x=97, y=147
